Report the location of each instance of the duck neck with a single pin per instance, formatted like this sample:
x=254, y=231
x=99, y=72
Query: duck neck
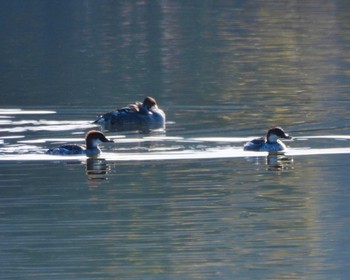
x=93, y=151
x=271, y=138
x=92, y=144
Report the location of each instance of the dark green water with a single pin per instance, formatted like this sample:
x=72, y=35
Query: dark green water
x=189, y=204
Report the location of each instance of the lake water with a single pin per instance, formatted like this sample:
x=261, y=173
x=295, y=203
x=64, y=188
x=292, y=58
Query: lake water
x=187, y=203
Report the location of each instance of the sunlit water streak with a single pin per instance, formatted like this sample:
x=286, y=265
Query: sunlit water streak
x=25, y=112
x=173, y=147
x=164, y=154
x=44, y=125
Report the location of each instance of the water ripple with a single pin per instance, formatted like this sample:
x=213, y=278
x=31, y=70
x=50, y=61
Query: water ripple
x=25, y=112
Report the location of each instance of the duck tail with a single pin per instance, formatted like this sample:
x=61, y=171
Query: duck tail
x=100, y=119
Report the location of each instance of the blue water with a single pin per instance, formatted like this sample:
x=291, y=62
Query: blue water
x=187, y=202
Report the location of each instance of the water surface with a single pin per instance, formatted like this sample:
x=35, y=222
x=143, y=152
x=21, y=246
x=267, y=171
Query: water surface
x=188, y=202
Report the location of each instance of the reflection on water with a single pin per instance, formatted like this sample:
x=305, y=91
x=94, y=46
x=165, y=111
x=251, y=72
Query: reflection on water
x=273, y=162
x=279, y=162
x=96, y=169
x=187, y=219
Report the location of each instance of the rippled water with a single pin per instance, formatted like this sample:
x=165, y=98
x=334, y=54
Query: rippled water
x=188, y=202
x=169, y=207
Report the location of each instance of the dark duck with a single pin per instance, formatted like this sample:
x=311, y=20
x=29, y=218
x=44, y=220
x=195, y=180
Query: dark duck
x=270, y=142
x=92, y=139
x=136, y=116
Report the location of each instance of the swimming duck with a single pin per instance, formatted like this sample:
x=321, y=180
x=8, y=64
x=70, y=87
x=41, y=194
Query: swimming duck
x=270, y=142
x=137, y=116
x=92, y=139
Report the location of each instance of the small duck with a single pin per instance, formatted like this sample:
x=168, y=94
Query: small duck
x=137, y=116
x=92, y=139
x=270, y=142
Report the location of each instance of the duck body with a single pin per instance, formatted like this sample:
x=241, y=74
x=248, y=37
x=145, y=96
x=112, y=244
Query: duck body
x=69, y=149
x=137, y=116
x=268, y=143
x=92, y=139
x=260, y=144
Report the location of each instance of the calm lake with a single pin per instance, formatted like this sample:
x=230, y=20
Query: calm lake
x=188, y=202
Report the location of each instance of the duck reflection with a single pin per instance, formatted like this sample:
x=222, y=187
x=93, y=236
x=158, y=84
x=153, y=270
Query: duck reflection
x=96, y=168
x=278, y=162
x=275, y=161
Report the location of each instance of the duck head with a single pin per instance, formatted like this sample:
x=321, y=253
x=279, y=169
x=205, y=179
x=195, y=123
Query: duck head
x=275, y=133
x=94, y=137
x=149, y=102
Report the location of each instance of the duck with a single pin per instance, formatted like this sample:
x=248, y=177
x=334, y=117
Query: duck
x=136, y=116
x=92, y=139
x=270, y=142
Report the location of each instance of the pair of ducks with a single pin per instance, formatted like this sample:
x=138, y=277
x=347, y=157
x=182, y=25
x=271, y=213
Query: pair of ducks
x=137, y=116
x=148, y=113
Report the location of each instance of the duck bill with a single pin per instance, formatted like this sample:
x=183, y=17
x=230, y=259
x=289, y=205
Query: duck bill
x=106, y=140
x=286, y=136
